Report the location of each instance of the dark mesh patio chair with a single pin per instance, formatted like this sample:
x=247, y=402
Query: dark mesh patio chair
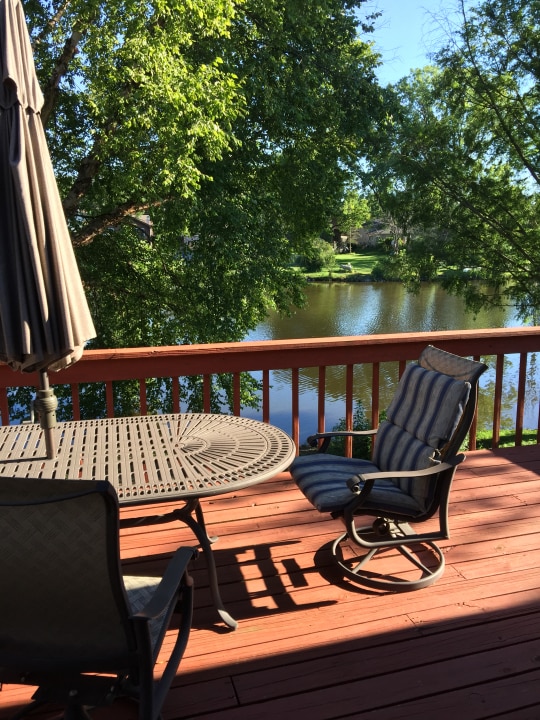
x=407, y=481
x=70, y=622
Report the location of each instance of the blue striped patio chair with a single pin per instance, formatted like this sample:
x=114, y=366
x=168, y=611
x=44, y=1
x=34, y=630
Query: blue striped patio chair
x=407, y=480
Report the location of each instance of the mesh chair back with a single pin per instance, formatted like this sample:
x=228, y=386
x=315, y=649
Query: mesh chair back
x=62, y=602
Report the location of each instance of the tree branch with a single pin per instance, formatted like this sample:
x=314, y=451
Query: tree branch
x=88, y=169
x=52, y=22
x=493, y=104
x=60, y=69
x=112, y=219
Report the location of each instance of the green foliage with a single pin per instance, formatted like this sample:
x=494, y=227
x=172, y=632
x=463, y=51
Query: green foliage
x=239, y=123
x=457, y=167
x=361, y=445
x=387, y=268
x=356, y=210
x=318, y=256
x=353, y=213
x=484, y=439
x=217, y=119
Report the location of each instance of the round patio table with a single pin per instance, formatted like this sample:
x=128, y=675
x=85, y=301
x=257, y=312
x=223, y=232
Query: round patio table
x=154, y=459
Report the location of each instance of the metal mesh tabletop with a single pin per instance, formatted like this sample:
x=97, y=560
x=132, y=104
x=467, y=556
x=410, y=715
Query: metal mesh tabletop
x=153, y=457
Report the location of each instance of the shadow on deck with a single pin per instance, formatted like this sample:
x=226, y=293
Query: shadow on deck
x=312, y=645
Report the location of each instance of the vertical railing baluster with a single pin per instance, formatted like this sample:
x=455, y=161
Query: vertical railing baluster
x=75, y=401
x=538, y=427
x=236, y=393
x=109, y=396
x=474, y=421
x=266, y=396
x=4, y=406
x=497, y=401
x=207, y=385
x=143, y=399
x=295, y=402
x=321, y=399
x=375, y=384
x=520, y=404
x=349, y=404
x=175, y=394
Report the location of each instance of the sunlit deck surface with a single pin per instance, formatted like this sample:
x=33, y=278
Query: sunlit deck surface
x=309, y=645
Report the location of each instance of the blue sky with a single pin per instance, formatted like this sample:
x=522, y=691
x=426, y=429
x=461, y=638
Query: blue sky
x=407, y=31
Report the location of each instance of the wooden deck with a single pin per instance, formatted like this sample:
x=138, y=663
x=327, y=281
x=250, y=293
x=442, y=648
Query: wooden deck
x=310, y=645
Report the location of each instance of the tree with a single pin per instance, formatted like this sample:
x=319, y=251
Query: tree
x=355, y=212
x=236, y=123
x=312, y=105
x=461, y=161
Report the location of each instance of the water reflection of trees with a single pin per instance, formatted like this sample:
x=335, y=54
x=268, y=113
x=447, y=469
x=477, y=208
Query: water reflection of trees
x=341, y=309
x=345, y=309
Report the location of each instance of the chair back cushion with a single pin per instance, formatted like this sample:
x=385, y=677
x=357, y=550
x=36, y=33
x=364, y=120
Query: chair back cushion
x=424, y=413
x=460, y=368
x=428, y=405
x=62, y=602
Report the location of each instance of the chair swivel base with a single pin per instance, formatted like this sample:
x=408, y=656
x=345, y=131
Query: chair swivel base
x=354, y=568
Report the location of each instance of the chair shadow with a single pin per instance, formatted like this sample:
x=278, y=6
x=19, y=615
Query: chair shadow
x=252, y=582
x=332, y=573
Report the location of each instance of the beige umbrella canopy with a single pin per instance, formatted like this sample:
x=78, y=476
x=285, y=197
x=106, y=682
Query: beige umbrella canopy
x=44, y=316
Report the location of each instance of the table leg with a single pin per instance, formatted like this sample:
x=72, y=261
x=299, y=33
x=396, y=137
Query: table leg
x=198, y=526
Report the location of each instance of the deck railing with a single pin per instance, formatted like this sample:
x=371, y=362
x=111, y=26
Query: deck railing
x=141, y=364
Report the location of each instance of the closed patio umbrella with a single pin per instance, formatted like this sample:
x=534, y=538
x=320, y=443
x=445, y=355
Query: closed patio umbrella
x=44, y=315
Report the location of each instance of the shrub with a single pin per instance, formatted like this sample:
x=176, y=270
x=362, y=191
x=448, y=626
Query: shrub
x=361, y=445
x=319, y=256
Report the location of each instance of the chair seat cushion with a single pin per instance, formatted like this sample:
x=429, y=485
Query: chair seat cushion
x=140, y=591
x=323, y=480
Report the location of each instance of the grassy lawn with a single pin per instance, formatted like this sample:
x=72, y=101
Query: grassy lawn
x=361, y=264
x=507, y=438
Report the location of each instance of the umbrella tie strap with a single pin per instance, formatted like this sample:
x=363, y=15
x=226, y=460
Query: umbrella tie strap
x=45, y=405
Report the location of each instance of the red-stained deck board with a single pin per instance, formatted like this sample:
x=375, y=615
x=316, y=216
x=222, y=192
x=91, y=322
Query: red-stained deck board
x=311, y=645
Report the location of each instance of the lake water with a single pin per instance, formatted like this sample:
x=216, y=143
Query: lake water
x=342, y=309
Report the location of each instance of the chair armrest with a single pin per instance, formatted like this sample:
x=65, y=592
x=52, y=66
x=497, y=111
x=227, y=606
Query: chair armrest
x=312, y=440
x=362, y=484
x=175, y=572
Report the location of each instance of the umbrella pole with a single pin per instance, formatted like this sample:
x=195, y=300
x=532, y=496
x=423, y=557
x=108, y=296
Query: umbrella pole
x=45, y=405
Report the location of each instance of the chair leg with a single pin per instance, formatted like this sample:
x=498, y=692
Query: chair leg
x=355, y=568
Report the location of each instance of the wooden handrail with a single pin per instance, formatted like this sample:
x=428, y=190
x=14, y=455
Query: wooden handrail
x=141, y=364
